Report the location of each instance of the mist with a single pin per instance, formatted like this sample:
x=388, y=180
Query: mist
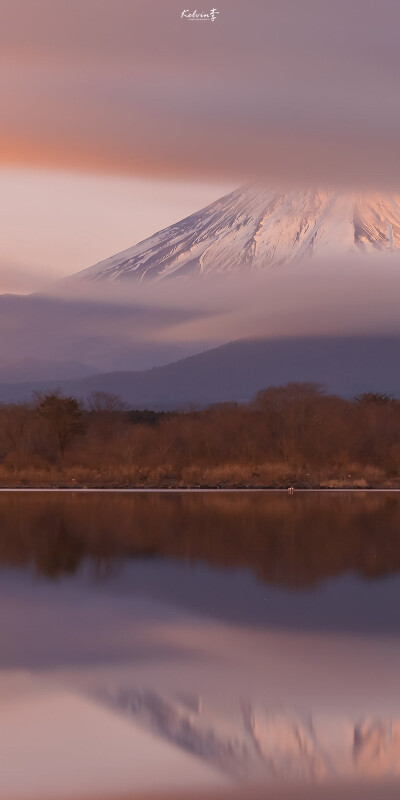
x=127, y=325
x=357, y=295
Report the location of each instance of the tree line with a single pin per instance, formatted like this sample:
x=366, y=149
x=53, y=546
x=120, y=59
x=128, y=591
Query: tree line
x=290, y=435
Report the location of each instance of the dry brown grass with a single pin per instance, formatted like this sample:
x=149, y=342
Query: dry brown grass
x=229, y=475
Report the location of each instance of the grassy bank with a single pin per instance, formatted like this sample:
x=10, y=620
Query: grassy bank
x=229, y=476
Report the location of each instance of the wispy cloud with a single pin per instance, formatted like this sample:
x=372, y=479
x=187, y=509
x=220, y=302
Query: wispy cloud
x=123, y=326
x=300, y=90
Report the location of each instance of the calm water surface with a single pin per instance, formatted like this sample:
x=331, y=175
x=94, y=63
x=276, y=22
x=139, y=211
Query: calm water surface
x=255, y=637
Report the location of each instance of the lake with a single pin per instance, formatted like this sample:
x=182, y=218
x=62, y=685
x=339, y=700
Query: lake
x=190, y=641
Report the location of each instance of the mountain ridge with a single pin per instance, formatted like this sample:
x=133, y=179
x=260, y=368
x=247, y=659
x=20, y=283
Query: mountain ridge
x=234, y=372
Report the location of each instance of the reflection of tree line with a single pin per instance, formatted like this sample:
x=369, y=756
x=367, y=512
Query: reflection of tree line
x=291, y=434
x=291, y=541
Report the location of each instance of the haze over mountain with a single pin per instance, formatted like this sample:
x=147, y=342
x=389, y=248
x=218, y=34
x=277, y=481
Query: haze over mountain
x=236, y=371
x=305, y=282
x=253, y=228
x=34, y=369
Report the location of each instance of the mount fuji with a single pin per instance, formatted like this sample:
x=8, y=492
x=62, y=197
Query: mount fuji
x=253, y=229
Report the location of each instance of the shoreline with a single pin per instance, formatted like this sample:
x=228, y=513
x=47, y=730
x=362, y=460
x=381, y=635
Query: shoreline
x=199, y=489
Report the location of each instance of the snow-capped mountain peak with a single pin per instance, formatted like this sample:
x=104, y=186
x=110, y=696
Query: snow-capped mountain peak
x=254, y=229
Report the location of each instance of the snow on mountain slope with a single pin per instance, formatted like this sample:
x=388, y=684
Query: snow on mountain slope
x=250, y=742
x=254, y=228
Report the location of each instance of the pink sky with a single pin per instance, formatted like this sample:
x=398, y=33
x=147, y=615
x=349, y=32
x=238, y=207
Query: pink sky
x=290, y=92
x=57, y=222
x=295, y=89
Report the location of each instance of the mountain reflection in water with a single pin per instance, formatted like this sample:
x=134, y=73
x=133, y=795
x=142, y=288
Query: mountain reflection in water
x=199, y=641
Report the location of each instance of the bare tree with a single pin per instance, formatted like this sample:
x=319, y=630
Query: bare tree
x=100, y=402
x=63, y=417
